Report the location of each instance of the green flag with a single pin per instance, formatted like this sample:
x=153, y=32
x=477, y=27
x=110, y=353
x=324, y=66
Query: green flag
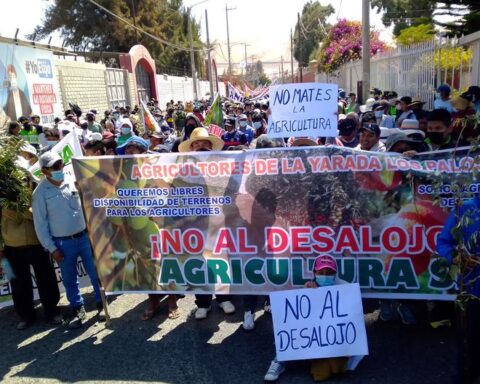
x=215, y=114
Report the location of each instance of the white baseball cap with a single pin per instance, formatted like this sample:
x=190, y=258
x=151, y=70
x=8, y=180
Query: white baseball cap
x=48, y=159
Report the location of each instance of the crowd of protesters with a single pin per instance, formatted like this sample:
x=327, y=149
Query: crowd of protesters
x=55, y=225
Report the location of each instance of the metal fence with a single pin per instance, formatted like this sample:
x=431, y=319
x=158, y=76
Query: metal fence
x=417, y=70
x=117, y=87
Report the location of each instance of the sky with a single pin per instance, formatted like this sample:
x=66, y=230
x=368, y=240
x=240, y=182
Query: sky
x=264, y=25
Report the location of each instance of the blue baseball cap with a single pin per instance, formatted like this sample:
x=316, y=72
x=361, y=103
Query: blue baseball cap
x=135, y=140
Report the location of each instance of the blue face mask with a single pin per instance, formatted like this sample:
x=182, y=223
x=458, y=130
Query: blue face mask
x=325, y=281
x=257, y=124
x=57, y=176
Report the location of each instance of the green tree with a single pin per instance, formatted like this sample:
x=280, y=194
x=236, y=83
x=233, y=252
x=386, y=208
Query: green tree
x=407, y=13
x=416, y=34
x=86, y=27
x=310, y=30
x=256, y=74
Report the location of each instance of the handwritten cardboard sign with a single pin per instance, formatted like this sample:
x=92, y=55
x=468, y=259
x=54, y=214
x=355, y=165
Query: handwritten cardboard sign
x=318, y=323
x=303, y=110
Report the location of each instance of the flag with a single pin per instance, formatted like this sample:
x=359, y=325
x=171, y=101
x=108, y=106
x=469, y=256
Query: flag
x=68, y=148
x=149, y=122
x=215, y=114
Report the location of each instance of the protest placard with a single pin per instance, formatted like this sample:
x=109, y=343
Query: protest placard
x=318, y=323
x=303, y=110
x=216, y=130
x=6, y=288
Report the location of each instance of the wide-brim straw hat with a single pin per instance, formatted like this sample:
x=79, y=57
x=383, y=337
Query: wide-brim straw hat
x=461, y=103
x=199, y=134
x=304, y=142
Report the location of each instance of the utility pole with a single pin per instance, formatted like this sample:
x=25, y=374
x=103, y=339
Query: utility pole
x=246, y=61
x=228, y=43
x=365, y=49
x=283, y=73
x=300, y=64
x=134, y=20
x=291, y=55
x=209, y=66
x=192, y=56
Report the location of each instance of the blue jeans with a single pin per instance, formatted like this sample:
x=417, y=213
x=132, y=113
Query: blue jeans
x=71, y=249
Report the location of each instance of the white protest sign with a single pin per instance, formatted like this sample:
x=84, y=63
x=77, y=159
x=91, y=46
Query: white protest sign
x=67, y=148
x=318, y=323
x=303, y=110
x=6, y=289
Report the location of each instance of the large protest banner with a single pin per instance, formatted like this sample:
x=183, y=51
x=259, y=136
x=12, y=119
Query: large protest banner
x=303, y=110
x=318, y=323
x=31, y=86
x=252, y=222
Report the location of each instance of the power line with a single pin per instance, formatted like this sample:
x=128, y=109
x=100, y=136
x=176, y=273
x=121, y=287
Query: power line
x=179, y=47
x=339, y=8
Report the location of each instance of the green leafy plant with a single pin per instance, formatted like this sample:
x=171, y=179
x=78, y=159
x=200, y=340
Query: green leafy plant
x=15, y=190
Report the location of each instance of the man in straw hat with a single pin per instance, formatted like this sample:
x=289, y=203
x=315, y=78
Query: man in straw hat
x=200, y=140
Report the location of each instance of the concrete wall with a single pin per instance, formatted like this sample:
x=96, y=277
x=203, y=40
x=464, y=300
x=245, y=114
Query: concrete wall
x=83, y=84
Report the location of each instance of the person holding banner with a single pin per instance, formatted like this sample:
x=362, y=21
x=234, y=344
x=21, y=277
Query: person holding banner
x=325, y=274
x=463, y=250
x=20, y=246
x=61, y=229
x=201, y=141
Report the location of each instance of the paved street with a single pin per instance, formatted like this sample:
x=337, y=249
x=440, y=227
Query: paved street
x=216, y=350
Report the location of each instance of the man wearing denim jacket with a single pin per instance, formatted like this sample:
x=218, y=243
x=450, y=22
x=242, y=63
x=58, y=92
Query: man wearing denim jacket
x=61, y=229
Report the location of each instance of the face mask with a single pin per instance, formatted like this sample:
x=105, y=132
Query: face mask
x=125, y=130
x=148, y=141
x=257, y=124
x=325, y=281
x=243, y=124
x=57, y=176
x=189, y=129
x=436, y=137
x=346, y=131
x=378, y=114
x=399, y=108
